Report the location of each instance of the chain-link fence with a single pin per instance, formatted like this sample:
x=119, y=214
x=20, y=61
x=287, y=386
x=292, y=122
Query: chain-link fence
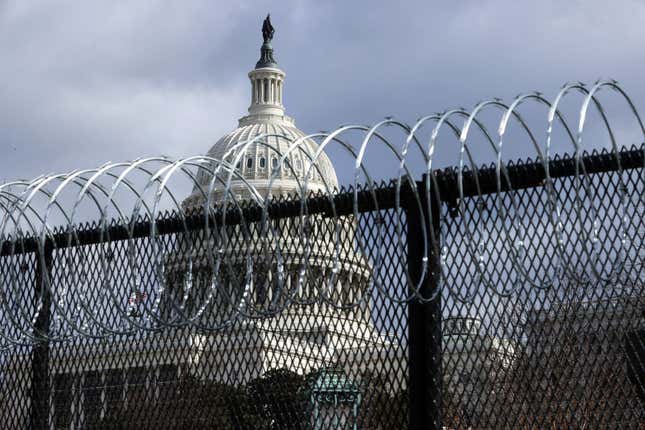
x=560, y=345
x=315, y=328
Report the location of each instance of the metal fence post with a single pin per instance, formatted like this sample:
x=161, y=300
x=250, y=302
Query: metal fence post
x=40, y=388
x=424, y=318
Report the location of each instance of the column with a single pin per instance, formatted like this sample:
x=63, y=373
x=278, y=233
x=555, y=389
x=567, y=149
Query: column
x=279, y=92
x=266, y=90
x=257, y=91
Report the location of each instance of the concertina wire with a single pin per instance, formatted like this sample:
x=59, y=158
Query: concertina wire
x=23, y=218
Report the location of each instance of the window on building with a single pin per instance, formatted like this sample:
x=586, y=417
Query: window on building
x=63, y=396
x=263, y=162
x=249, y=163
x=166, y=380
x=309, y=228
x=114, y=391
x=137, y=392
x=92, y=398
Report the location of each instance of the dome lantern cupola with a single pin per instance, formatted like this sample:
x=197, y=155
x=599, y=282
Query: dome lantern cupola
x=266, y=79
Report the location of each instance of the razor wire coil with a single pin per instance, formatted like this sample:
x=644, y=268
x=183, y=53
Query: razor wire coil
x=30, y=210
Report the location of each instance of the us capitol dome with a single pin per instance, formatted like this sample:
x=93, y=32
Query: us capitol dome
x=304, y=336
x=261, y=159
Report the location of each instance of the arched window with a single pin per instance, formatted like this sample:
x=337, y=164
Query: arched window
x=299, y=164
x=239, y=164
x=274, y=162
x=263, y=162
x=249, y=163
x=295, y=226
x=309, y=228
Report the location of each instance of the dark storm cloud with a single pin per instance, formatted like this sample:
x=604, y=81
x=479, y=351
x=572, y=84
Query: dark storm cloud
x=86, y=82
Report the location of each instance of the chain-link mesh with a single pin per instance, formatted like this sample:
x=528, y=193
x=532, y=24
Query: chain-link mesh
x=513, y=354
x=303, y=364
x=569, y=355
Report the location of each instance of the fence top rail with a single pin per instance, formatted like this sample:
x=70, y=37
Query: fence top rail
x=532, y=173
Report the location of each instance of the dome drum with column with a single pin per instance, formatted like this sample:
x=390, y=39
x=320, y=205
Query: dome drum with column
x=266, y=91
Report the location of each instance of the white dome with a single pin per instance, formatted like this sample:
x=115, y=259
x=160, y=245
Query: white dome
x=261, y=159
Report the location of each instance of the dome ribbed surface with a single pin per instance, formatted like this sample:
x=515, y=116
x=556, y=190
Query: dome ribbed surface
x=262, y=156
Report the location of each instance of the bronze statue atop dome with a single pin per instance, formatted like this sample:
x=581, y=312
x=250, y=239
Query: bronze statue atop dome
x=266, y=52
x=267, y=29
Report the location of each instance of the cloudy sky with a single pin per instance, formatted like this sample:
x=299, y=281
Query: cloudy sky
x=85, y=82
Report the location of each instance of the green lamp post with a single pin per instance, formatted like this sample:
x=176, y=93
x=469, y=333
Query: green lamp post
x=335, y=401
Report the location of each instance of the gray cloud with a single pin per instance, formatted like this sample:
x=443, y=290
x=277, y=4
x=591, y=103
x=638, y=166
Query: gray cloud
x=86, y=82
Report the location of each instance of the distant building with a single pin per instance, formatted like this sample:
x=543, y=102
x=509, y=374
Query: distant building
x=576, y=363
x=474, y=366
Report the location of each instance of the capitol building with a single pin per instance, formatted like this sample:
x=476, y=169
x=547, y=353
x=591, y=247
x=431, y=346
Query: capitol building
x=302, y=336
x=311, y=333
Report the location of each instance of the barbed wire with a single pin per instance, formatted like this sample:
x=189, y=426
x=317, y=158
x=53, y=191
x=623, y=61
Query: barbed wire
x=126, y=193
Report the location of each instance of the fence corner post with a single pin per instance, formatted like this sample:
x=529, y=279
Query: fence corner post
x=424, y=317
